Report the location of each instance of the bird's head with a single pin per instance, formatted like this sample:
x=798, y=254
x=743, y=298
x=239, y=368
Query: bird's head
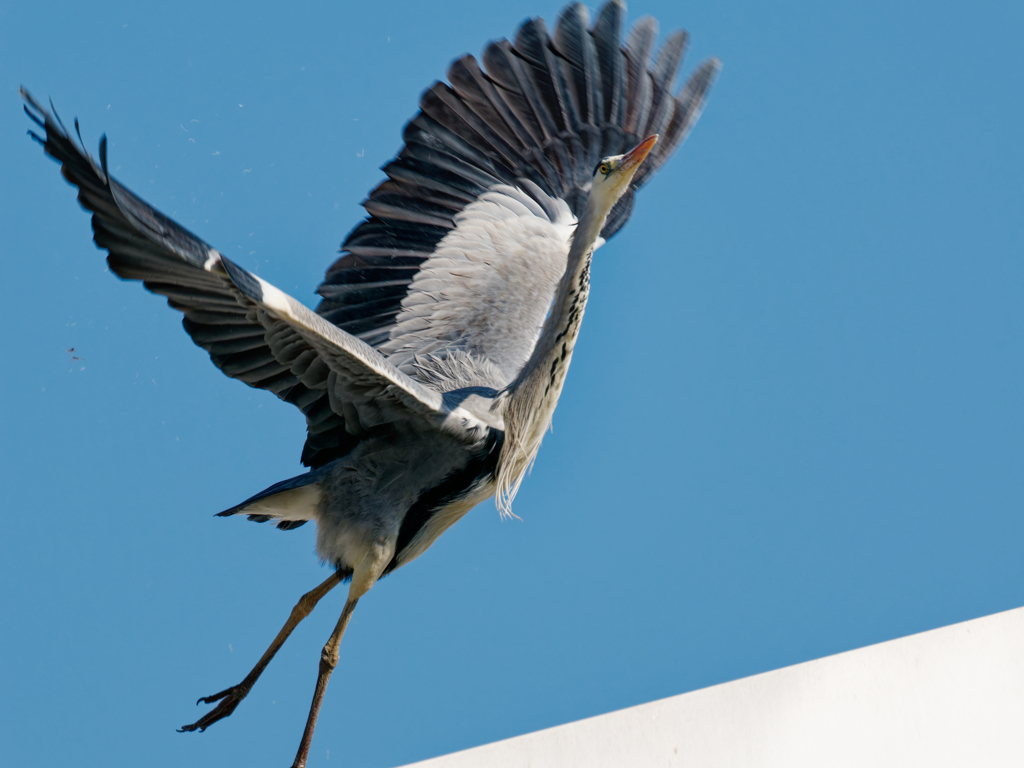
x=613, y=174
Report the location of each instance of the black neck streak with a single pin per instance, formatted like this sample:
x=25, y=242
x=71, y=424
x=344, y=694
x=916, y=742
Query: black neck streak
x=565, y=340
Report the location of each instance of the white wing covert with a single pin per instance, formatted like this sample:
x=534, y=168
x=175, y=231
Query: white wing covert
x=488, y=285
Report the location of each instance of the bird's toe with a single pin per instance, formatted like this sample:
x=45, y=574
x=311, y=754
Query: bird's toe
x=229, y=700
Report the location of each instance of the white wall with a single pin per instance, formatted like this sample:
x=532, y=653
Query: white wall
x=950, y=697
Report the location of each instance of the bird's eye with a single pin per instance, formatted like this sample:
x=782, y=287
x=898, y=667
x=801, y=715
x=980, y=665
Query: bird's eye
x=603, y=168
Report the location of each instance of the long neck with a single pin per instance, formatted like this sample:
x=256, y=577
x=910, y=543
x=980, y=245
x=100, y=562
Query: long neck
x=533, y=395
x=545, y=370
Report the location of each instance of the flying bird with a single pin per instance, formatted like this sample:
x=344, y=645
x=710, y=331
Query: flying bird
x=430, y=369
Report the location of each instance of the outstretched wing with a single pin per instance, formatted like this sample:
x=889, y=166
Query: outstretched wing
x=466, y=240
x=253, y=331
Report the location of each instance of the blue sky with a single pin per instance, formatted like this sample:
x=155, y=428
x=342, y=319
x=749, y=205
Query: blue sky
x=793, y=425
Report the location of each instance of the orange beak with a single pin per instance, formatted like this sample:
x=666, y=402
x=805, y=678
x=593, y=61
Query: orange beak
x=637, y=154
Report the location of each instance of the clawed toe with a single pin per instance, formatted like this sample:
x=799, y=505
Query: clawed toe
x=216, y=696
x=232, y=697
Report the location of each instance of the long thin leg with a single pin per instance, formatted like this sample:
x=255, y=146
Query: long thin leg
x=233, y=696
x=328, y=661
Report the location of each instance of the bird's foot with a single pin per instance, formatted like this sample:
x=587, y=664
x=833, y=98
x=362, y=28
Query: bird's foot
x=232, y=697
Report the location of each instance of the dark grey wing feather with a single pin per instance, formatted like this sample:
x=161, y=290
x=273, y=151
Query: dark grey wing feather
x=481, y=95
x=252, y=331
x=638, y=88
x=581, y=74
x=611, y=62
x=662, y=76
x=575, y=44
x=670, y=57
x=533, y=48
x=685, y=110
x=541, y=67
x=445, y=107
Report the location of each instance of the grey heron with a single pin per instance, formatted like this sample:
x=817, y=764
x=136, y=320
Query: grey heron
x=431, y=368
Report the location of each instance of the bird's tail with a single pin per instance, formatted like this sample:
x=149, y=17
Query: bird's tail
x=291, y=502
